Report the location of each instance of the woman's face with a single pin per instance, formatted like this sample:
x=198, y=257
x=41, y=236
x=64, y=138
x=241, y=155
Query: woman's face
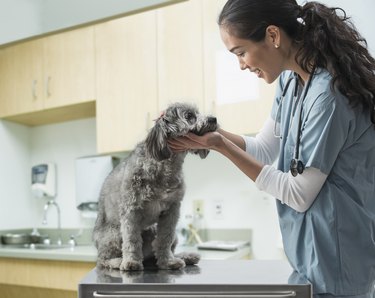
x=263, y=58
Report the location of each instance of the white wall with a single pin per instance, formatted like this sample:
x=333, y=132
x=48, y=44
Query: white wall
x=23, y=147
x=19, y=19
x=15, y=204
x=216, y=180
x=62, y=144
x=67, y=13
x=25, y=18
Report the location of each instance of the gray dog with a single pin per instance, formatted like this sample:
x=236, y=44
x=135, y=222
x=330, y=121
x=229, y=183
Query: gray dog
x=140, y=200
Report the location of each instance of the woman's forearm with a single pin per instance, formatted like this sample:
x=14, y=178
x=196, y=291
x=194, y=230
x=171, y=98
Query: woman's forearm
x=236, y=139
x=245, y=162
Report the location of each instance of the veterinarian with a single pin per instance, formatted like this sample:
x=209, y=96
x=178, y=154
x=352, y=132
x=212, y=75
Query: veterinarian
x=321, y=131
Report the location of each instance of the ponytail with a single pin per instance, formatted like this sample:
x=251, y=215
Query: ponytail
x=328, y=39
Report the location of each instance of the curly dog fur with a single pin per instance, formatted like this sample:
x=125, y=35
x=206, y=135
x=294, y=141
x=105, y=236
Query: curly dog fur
x=140, y=199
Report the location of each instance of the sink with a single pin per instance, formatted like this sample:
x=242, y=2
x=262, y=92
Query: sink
x=46, y=246
x=36, y=246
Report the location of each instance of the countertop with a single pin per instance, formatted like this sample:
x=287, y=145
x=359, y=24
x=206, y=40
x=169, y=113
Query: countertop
x=81, y=253
x=205, y=272
x=210, y=278
x=88, y=253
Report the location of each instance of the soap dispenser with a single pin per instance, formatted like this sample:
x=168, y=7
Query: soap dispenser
x=43, y=180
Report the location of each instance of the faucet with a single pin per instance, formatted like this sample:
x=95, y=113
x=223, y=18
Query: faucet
x=46, y=206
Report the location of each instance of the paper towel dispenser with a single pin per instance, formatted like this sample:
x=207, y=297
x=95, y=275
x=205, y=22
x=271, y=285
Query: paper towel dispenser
x=90, y=174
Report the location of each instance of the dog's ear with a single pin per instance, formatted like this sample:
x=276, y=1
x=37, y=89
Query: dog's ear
x=156, y=143
x=201, y=152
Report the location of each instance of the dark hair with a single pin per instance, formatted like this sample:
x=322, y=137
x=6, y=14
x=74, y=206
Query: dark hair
x=325, y=36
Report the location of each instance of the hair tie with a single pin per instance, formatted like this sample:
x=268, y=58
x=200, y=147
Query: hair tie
x=161, y=116
x=299, y=14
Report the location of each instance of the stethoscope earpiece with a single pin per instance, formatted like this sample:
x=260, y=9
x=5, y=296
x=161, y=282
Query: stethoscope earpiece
x=296, y=167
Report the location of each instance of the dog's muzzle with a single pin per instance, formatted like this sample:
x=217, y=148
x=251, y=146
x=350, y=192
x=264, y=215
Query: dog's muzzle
x=208, y=126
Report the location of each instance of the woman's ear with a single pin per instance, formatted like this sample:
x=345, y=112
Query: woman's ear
x=273, y=35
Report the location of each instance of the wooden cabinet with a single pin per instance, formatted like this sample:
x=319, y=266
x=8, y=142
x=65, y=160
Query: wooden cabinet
x=179, y=49
x=144, y=63
x=21, y=71
x=48, y=73
x=245, y=116
x=69, y=63
x=148, y=60
x=126, y=81
x=41, y=278
x=126, y=71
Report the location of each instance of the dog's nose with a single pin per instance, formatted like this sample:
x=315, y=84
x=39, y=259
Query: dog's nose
x=212, y=120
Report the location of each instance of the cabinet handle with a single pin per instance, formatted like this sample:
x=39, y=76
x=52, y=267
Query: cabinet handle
x=33, y=89
x=48, y=79
x=276, y=294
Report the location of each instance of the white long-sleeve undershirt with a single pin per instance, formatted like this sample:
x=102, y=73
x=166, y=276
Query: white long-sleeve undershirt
x=264, y=146
x=297, y=192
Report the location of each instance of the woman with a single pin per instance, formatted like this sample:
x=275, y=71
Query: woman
x=321, y=130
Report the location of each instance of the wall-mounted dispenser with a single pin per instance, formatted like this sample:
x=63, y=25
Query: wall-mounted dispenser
x=43, y=180
x=90, y=175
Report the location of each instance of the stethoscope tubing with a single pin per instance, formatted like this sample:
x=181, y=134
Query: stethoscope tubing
x=295, y=161
x=298, y=140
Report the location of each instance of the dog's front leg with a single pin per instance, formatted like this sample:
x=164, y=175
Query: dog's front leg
x=165, y=237
x=131, y=231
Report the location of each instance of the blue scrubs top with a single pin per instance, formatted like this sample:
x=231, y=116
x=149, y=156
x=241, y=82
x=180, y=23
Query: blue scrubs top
x=332, y=244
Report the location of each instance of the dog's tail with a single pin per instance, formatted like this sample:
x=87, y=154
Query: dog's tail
x=190, y=258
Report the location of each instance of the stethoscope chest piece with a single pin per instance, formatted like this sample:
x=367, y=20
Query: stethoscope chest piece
x=296, y=167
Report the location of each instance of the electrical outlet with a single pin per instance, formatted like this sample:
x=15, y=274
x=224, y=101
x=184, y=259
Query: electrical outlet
x=198, y=207
x=218, y=209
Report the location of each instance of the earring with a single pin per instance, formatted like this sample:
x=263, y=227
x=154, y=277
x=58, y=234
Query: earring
x=277, y=46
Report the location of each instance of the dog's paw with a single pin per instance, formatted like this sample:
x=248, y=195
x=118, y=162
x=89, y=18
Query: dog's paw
x=131, y=265
x=173, y=264
x=190, y=258
x=114, y=263
x=176, y=263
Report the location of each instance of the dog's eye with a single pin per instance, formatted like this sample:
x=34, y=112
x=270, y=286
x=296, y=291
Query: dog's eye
x=189, y=115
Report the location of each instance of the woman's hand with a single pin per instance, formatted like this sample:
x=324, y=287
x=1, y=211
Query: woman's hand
x=223, y=142
x=210, y=140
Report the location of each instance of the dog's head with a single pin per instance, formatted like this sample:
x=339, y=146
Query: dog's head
x=178, y=120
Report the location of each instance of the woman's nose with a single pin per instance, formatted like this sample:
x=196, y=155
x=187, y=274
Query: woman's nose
x=243, y=65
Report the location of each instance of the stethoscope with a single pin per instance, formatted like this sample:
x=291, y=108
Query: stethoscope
x=296, y=165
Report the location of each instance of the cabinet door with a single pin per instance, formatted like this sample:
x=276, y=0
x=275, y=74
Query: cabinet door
x=21, y=70
x=69, y=75
x=126, y=81
x=238, y=109
x=180, y=61
x=7, y=81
